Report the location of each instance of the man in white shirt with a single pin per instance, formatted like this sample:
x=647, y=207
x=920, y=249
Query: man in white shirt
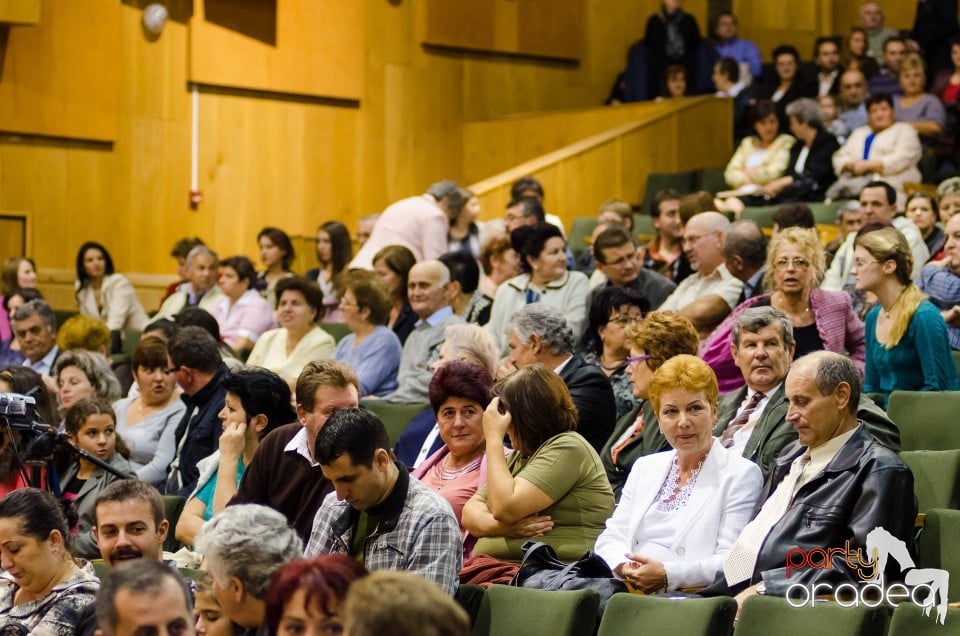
x=878, y=204
x=711, y=292
x=827, y=58
x=200, y=290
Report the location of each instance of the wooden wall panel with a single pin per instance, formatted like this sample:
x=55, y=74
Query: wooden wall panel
x=538, y=28
x=846, y=13
x=772, y=23
x=315, y=47
x=61, y=77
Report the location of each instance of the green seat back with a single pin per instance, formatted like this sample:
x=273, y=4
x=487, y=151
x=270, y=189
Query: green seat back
x=927, y=419
x=191, y=574
x=908, y=620
x=712, y=180
x=338, y=330
x=762, y=215
x=635, y=614
x=470, y=597
x=394, y=415
x=172, y=507
x=517, y=610
x=767, y=615
x=682, y=182
x=938, y=547
x=956, y=360
x=825, y=213
x=580, y=231
x=643, y=230
x=935, y=478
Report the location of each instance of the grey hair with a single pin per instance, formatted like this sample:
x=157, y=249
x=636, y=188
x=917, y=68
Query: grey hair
x=832, y=369
x=948, y=186
x=547, y=323
x=95, y=367
x=455, y=195
x=249, y=542
x=197, y=251
x=754, y=319
x=475, y=343
x=37, y=307
x=806, y=111
x=141, y=576
x=853, y=205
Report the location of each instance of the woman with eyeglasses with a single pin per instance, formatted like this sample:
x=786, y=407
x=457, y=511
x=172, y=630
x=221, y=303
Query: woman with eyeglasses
x=658, y=338
x=612, y=311
x=908, y=348
x=821, y=320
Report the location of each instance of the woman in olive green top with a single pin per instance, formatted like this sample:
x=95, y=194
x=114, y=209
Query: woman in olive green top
x=552, y=486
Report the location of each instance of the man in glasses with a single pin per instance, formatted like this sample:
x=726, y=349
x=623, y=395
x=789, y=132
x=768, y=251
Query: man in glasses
x=617, y=259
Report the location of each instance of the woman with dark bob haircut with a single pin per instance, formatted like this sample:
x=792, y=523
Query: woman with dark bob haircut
x=552, y=484
x=459, y=393
x=309, y=593
x=393, y=263
x=50, y=587
x=242, y=312
x=106, y=295
x=612, y=311
x=545, y=278
x=298, y=340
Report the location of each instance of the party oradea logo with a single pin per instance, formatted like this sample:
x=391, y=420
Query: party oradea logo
x=924, y=587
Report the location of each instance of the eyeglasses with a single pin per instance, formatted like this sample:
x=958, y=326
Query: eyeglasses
x=795, y=263
x=171, y=370
x=859, y=264
x=628, y=319
x=636, y=359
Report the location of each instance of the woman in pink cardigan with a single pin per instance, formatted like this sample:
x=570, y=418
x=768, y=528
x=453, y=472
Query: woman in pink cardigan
x=821, y=320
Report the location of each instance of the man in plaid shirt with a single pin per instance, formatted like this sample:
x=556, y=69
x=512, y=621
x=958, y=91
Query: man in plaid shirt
x=380, y=515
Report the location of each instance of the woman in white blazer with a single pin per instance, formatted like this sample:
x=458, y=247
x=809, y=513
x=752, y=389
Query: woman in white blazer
x=104, y=294
x=681, y=510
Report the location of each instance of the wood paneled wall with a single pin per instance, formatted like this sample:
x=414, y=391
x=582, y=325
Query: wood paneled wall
x=100, y=116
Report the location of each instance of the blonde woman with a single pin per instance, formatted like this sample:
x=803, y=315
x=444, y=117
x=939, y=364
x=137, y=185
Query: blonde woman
x=906, y=338
x=822, y=320
x=917, y=108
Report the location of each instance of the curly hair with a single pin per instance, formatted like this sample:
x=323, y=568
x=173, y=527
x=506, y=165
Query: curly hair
x=663, y=335
x=809, y=245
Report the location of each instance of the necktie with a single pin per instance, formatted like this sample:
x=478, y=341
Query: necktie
x=533, y=296
x=629, y=436
x=726, y=438
x=742, y=558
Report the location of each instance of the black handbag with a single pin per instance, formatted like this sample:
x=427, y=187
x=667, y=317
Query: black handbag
x=541, y=569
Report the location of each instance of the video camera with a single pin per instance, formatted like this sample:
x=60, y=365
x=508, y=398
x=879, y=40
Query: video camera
x=37, y=440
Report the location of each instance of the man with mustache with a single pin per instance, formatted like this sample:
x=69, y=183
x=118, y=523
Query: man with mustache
x=753, y=420
x=130, y=525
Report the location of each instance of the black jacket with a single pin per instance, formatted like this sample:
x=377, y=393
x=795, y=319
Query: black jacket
x=817, y=175
x=864, y=486
x=201, y=425
x=651, y=440
x=593, y=397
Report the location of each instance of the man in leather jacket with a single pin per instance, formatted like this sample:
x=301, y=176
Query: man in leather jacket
x=844, y=485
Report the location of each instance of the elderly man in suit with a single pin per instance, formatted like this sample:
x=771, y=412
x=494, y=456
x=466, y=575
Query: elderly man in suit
x=539, y=333
x=753, y=420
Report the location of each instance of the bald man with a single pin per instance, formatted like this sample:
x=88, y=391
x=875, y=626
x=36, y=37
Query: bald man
x=699, y=296
x=427, y=292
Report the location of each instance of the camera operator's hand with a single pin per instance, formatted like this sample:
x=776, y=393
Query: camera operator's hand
x=232, y=441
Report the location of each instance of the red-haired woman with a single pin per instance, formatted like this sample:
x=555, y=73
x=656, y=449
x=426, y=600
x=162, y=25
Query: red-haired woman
x=309, y=593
